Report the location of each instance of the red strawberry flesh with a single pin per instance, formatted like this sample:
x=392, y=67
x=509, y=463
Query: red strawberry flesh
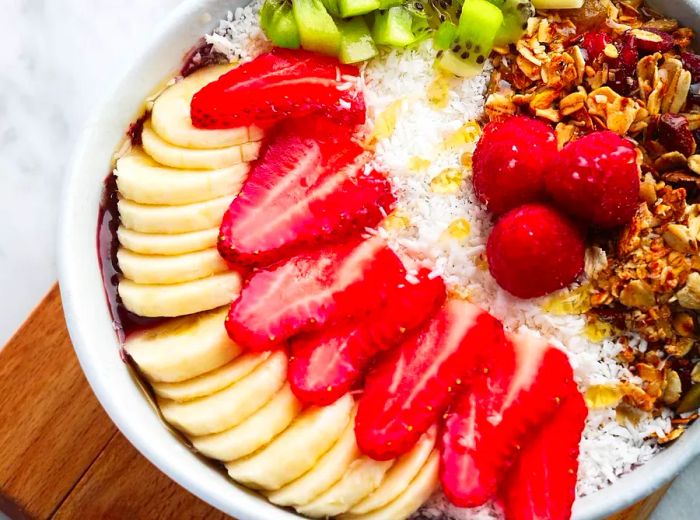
x=525, y=382
x=277, y=85
x=409, y=389
x=312, y=290
x=542, y=484
x=325, y=365
x=309, y=187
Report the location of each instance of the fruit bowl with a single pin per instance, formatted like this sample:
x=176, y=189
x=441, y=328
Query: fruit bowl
x=90, y=323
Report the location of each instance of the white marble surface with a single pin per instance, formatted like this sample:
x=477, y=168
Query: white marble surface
x=57, y=58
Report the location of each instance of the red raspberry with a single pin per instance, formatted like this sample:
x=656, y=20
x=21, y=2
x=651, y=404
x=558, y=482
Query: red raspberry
x=510, y=162
x=597, y=180
x=534, y=250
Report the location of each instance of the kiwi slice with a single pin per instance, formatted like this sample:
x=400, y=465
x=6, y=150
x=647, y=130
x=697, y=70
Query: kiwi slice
x=350, y=8
x=478, y=25
x=317, y=29
x=439, y=11
x=332, y=7
x=516, y=13
x=394, y=27
x=445, y=35
x=278, y=24
x=356, y=43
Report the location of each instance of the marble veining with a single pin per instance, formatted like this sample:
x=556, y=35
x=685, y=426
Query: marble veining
x=58, y=58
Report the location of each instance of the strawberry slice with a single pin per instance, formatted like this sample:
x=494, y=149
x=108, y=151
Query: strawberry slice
x=277, y=85
x=311, y=290
x=413, y=385
x=542, y=484
x=324, y=366
x=309, y=187
x=524, y=383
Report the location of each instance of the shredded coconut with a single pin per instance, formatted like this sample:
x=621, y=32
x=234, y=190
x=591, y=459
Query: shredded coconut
x=239, y=36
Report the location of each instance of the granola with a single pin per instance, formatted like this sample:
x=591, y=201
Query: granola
x=644, y=279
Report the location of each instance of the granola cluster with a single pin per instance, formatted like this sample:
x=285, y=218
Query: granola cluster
x=651, y=285
x=643, y=85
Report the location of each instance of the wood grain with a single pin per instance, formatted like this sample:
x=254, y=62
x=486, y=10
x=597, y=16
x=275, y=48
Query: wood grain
x=51, y=426
x=62, y=458
x=122, y=484
x=61, y=455
x=642, y=510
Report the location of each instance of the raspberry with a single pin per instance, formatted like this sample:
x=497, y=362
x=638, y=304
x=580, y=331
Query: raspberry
x=533, y=250
x=597, y=180
x=510, y=163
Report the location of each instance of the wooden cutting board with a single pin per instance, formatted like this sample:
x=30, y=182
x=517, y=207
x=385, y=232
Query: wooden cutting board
x=61, y=456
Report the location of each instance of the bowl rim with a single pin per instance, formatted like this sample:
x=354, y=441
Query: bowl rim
x=79, y=269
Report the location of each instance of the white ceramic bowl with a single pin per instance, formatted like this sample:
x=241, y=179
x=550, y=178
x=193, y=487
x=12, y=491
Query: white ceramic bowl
x=90, y=323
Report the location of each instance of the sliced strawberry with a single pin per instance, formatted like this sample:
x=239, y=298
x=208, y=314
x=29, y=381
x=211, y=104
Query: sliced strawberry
x=325, y=365
x=523, y=384
x=277, y=85
x=542, y=484
x=311, y=290
x=309, y=187
x=413, y=385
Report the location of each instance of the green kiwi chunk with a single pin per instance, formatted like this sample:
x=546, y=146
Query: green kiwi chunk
x=386, y=4
x=516, y=13
x=350, y=8
x=445, y=35
x=332, y=7
x=356, y=43
x=479, y=23
x=278, y=23
x=317, y=29
x=394, y=27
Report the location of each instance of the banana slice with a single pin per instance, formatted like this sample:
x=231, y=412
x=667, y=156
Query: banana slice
x=171, y=119
x=296, y=450
x=181, y=349
x=173, y=219
x=169, y=301
x=253, y=433
x=161, y=244
x=165, y=270
x=188, y=158
x=231, y=406
x=362, y=477
x=211, y=382
x=415, y=495
x=399, y=477
x=141, y=179
x=327, y=471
